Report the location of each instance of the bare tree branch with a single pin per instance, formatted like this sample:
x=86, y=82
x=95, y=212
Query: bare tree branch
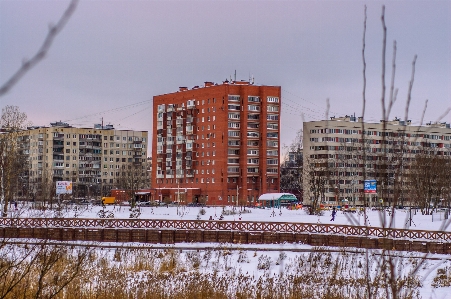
x=384, y=46
x=393, y=92
x=364, y=67
x=409, y=94
x=42, y=52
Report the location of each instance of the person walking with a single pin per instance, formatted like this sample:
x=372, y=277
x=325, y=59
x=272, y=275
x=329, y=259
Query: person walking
x=333, y=214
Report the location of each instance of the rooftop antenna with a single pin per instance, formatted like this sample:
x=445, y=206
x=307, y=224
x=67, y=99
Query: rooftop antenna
x=235, y=75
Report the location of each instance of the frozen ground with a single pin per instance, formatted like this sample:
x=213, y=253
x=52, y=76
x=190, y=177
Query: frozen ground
x=373, y=218
x=401, y=218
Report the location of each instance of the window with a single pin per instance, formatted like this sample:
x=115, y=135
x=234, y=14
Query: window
x=234, y=116
x=233, y=152
x=272, y=161
x=272, y=126
x=272, y=99
x=234, y=107
x=233, y=133
x=233, y=169
x=272, y=153
x=272, y=117
x=233, y=98
x=252, y=169
x=252, y=152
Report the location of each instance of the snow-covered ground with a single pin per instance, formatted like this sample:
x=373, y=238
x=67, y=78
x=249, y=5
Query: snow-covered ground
x=401, y=218
x=272, y=253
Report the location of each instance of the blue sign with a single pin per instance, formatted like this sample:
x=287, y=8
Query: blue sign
x=370, y=186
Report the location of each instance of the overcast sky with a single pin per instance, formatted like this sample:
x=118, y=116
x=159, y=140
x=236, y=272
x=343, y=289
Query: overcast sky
x=114, y=56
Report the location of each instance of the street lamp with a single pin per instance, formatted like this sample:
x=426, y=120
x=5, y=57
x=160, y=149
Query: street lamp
x=237, y=194
x=206, y=191
x=337, y=193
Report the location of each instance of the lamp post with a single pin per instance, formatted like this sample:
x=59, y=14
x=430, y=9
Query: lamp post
x=253, y=192
x=206, y=191
x=237, y=194
x=337, y=193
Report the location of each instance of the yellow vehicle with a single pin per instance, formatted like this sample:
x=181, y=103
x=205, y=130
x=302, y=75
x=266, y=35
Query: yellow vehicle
x=108, y=200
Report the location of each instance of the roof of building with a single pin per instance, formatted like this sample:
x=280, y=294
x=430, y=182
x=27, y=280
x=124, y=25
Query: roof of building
x=278, y=196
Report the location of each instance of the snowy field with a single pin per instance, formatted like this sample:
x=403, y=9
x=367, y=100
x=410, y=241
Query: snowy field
x=263, y=260
x=400, y=220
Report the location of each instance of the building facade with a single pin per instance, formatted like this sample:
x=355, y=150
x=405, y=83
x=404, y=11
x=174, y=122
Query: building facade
x=217, y=144
x=347, y=151
x=94, y=159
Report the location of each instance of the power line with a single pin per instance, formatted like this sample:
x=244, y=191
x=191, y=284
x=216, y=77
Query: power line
x=112, y=110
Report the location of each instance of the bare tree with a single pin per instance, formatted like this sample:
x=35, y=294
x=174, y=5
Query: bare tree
x=292, y=169
x=316, y=177
x=133, y=177
x=12, y=122
x=429, y=180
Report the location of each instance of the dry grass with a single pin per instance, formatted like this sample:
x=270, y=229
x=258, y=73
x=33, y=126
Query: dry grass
x=171, y=273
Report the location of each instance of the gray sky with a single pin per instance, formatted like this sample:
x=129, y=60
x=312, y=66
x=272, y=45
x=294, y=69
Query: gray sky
x=114, y=56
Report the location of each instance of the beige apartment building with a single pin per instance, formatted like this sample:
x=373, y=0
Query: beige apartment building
x=92, y=158
x=348, y=151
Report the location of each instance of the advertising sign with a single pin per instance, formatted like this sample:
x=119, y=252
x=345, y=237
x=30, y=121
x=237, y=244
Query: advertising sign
x=63, y=187
x=370, y=186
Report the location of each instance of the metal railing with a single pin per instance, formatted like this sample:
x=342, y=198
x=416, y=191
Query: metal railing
x=213, y=225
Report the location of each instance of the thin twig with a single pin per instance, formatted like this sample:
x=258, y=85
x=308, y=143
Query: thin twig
x=42, y=52
x=393, y=92
x=409, y=93
x=384, y=46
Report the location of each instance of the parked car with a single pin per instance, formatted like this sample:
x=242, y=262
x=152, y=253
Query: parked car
x=196, y=204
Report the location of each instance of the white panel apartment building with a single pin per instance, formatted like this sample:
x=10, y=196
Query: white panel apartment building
x=336, y=145
x=92, y=158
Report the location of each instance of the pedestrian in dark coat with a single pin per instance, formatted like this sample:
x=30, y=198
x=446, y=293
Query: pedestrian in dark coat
x=333, y=214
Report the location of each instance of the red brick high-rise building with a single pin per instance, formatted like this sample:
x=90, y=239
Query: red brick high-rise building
x=217, y=144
